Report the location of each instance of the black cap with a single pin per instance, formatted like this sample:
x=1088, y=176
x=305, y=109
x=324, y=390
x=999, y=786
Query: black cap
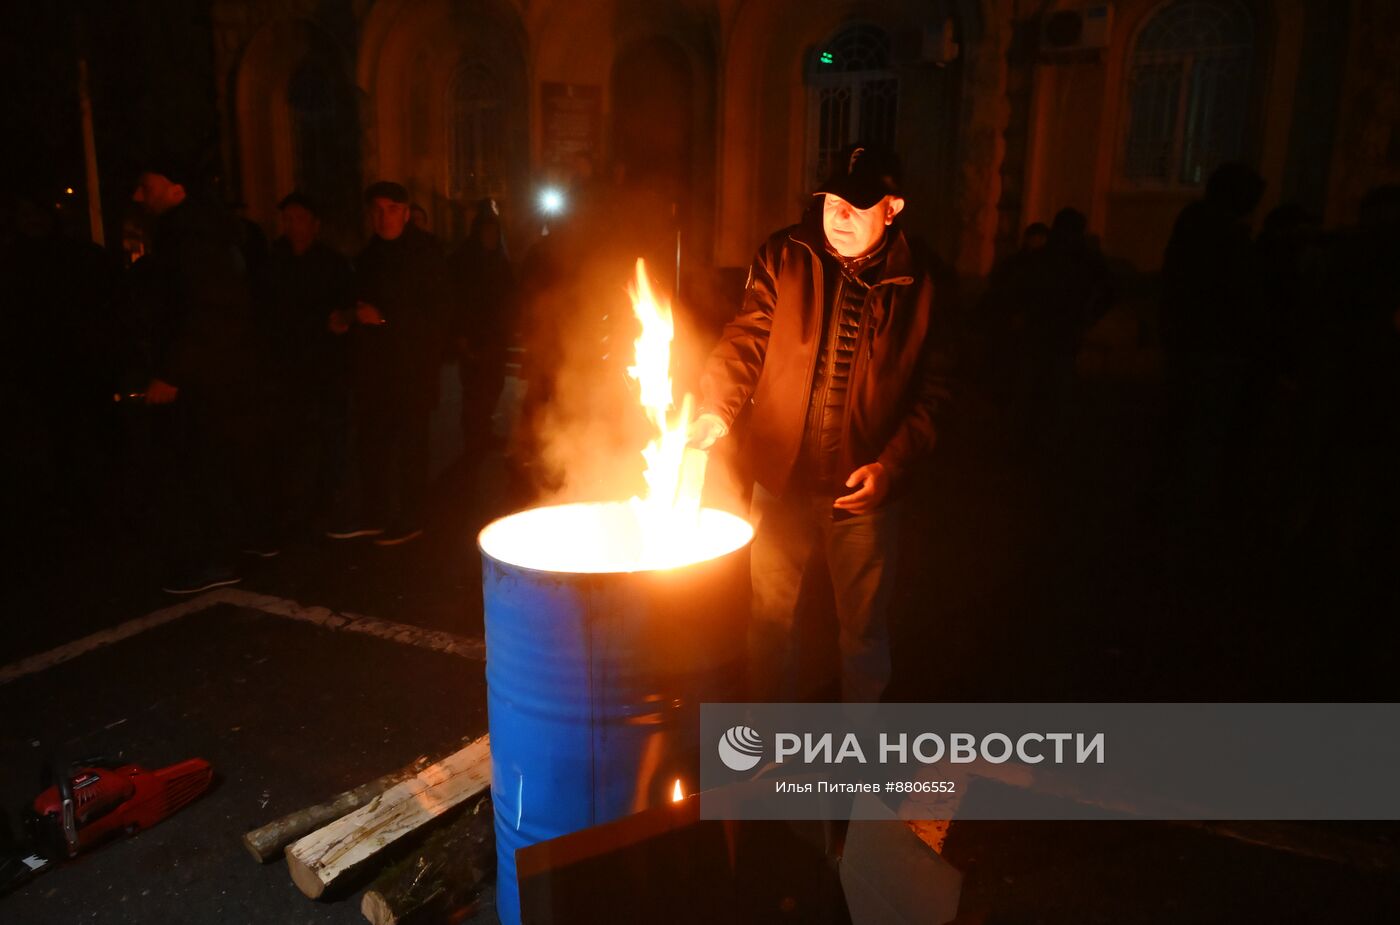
x=387, y=189
x=863, y=175
x=298, y=198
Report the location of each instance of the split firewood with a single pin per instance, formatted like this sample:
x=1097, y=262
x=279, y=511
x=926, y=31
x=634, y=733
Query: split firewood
x=441, y=877
x=318, y=860
x=266, y=843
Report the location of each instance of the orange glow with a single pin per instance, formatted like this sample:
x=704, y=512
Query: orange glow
x=604, y=537
x=665, y=529
x=677, y=794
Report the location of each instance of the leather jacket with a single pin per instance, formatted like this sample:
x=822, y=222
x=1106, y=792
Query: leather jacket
x=767, y=357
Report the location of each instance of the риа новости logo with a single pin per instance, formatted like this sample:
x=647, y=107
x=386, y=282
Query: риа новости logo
x=740, y=748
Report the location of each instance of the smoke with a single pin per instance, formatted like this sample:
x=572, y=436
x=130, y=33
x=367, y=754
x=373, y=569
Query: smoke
x=583, y=427
x=588, y=436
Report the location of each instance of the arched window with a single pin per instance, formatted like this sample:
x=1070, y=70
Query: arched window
x=476, y=133
x=852, y=96
x=313, y=103
x=325, y=144
x=1188, y=92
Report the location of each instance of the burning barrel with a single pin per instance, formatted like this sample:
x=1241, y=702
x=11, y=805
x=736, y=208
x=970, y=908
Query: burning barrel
x=600, y=647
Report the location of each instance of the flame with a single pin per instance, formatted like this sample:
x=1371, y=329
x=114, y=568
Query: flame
x=677, y=794
x=666, y=528
x=668, y=514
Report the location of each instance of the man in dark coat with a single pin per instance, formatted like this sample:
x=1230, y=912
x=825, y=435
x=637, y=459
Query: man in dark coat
x=193, y=295
x=310, y=286
x=1212, y=334
x=833, y=355
x=396, y=329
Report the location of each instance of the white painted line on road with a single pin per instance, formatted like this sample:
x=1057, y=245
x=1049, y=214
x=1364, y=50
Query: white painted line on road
x=438, y=640
x=63, y=653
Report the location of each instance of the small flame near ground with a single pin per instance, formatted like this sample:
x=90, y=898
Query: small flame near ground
x=667, y=527
x=677, y=792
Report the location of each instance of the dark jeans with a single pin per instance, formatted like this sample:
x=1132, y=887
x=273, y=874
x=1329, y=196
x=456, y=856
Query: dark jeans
x=392, y=444
x=330, y=429
x=795, y=536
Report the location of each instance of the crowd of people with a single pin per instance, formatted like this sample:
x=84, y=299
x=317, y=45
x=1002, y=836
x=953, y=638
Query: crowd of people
x=1289, y=331
x=1280, y=358
x=287, y=388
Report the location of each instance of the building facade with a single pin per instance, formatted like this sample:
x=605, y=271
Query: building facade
x=1003, y=110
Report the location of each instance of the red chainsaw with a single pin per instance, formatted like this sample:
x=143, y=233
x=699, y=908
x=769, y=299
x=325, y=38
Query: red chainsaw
x=94, y=801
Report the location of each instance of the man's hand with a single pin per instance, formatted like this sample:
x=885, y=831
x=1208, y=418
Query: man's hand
x=339, y=322
x=160, y=392
x=366, y=313
x=705, y=431
x=874, y=484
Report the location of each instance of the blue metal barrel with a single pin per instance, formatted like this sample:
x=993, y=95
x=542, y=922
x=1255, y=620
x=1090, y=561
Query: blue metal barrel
x=594, y=682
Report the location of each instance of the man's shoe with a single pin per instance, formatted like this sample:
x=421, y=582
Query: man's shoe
x=397, y=536
x=351, y=531
x=262, y=550
x=202, y=580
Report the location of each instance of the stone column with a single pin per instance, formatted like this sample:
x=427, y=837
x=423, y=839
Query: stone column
x=977, y=183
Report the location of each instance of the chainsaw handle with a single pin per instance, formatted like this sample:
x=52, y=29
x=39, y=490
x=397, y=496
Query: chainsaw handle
x=68, y=809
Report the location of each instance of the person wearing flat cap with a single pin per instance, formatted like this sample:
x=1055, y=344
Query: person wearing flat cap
x=396, y=332
x=835, y=355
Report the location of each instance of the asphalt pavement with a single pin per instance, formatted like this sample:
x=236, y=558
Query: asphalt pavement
x=1041, y=579
x=288, y=714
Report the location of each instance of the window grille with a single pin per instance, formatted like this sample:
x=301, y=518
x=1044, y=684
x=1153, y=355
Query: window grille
x=852, y=96
x=476, y=134
x=1188, y=92
x=312, y=99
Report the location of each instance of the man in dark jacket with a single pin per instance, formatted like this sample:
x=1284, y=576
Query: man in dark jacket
x=1213, y=331
x=310, y=286
x=833, y=350
x=399, y=323
x=192, y=291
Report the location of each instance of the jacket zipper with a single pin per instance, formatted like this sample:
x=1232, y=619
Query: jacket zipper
x=863, y=338
x=827, y=341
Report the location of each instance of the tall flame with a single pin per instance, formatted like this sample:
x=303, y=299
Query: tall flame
x=667, y=516
x=665, y=529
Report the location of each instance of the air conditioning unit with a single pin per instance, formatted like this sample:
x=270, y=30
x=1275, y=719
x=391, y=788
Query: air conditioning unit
x=1080, y=28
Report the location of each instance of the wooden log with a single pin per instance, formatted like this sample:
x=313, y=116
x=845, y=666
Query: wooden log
x=266, y=843
x=318, y=860
x=440, y=878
